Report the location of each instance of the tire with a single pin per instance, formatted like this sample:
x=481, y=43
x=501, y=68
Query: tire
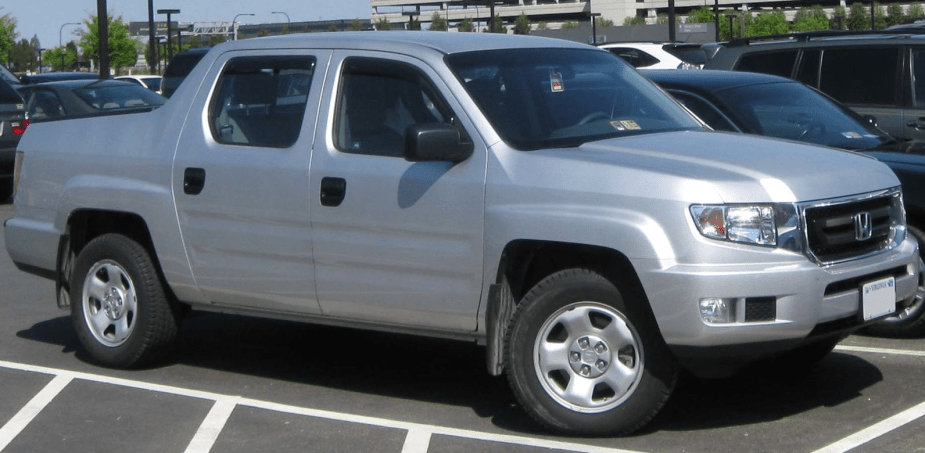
x=582, y=360
x=119, y=308
x=910, y=322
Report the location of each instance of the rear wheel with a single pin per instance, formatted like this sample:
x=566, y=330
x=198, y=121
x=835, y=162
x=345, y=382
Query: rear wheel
x=580, y=361
x=119, y=308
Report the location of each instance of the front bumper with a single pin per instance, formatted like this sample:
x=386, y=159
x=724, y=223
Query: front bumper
x=809, y=302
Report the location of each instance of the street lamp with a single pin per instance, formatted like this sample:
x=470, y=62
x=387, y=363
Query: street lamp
x=280, y=12
x=61, y=43
x=168, y=12
x=288, y=22
x=234, y=27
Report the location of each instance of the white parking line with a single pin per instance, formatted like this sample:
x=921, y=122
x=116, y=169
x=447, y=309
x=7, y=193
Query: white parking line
x=12, y=428
x=872, y=432
x=212, y=426
x=217, y=417
x=416, y=442
x=880, y=350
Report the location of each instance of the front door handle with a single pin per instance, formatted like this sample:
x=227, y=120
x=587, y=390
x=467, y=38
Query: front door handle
x=194, y=180
x=333, y=191
x=918, y=124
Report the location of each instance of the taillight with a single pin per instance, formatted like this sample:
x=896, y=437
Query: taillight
x=19, y=127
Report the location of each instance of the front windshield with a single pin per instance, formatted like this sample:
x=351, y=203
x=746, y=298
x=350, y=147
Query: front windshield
x=793, y=111
x=544, y=98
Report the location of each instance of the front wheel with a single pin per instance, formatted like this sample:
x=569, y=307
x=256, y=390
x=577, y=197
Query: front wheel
x=582, y=360
x=119, y=308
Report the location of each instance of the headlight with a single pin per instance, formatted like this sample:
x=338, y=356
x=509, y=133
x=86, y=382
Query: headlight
x=750, y=224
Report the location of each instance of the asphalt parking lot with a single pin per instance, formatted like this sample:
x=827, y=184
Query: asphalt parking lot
x=239, y=384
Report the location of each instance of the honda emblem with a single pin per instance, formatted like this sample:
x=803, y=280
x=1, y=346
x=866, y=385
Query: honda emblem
x=862, y=227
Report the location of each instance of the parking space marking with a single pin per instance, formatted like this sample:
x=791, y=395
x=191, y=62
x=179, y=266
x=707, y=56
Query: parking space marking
x=212, y=426
x=417, y=441
x=417, y=431
x=12, y=428
x=874, y=431
x=880, y=350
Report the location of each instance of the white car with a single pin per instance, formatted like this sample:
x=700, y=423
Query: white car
x=651, y=55
x=151, y=82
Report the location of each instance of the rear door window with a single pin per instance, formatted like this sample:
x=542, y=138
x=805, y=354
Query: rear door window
x=861, y=76
x=260, y=101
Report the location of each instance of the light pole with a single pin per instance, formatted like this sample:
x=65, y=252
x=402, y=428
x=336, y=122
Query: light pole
x=234, y=27
x=168, y=12
x=61, y=43
x=288, y=22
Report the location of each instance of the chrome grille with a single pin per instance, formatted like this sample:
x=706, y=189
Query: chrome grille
x=852, y=229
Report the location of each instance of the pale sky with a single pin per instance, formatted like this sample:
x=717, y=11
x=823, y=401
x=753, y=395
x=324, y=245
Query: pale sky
x=45, y=18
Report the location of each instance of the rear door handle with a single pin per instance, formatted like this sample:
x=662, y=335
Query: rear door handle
x=333, y=191
x=194, y=180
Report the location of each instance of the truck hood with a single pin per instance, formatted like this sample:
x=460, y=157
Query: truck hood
x=712, y=167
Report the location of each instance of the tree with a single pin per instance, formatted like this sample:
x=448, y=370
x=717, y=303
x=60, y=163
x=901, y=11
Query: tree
x=496, y=25
x=627, y=21
x=601, y=22
x=382, y=24
x=21, y=57
x=879, y=17
x=858, y=17
x=916, y=11
x=466, y=26
x=414, y=23
x=61, y=58
x=522, y=25
x=809, y=19
x=838, y=18
x=740, y=19
x=768, y=23
x=122, y=51
x=8, y=36
x=438, y=23
x=703, y=15
x=570, y=24
x=661, y=18
x=356, y=25
x=895, y=14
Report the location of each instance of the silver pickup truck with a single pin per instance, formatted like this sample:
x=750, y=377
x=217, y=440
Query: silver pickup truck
x=531, y=195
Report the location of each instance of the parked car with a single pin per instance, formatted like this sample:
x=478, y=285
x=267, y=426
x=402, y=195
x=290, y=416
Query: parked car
x=75, y=98
x=651, y=55
x=13, y=124
x=535, y=196
x=179, y=67
x=44, y=77
x=879, y=73
x=777, y=107
x=151, y=82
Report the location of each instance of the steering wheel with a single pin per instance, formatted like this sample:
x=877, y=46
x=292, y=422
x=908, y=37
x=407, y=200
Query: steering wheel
x=594, y=116
x=812, y=128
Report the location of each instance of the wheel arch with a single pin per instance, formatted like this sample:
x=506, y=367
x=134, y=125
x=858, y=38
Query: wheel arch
x=524, y=263
x=82, y=226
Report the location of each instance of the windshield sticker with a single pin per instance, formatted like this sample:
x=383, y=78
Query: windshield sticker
x=555, y=81
x=625, y=125
x=851, y=134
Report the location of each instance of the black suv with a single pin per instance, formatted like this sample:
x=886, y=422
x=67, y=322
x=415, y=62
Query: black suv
x=12, y=125
x=879, y=74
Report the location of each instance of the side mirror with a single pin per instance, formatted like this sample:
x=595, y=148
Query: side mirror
x=436, y=142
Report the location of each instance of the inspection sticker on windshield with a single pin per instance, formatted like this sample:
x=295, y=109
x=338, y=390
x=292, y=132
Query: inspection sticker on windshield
x=555, y=81
x=878, y=298
x=625, y=125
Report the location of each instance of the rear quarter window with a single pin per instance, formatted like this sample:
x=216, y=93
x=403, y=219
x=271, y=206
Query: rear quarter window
x=861, y=76
x=776, y=63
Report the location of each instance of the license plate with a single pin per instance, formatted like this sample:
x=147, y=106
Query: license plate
x=878, y=298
